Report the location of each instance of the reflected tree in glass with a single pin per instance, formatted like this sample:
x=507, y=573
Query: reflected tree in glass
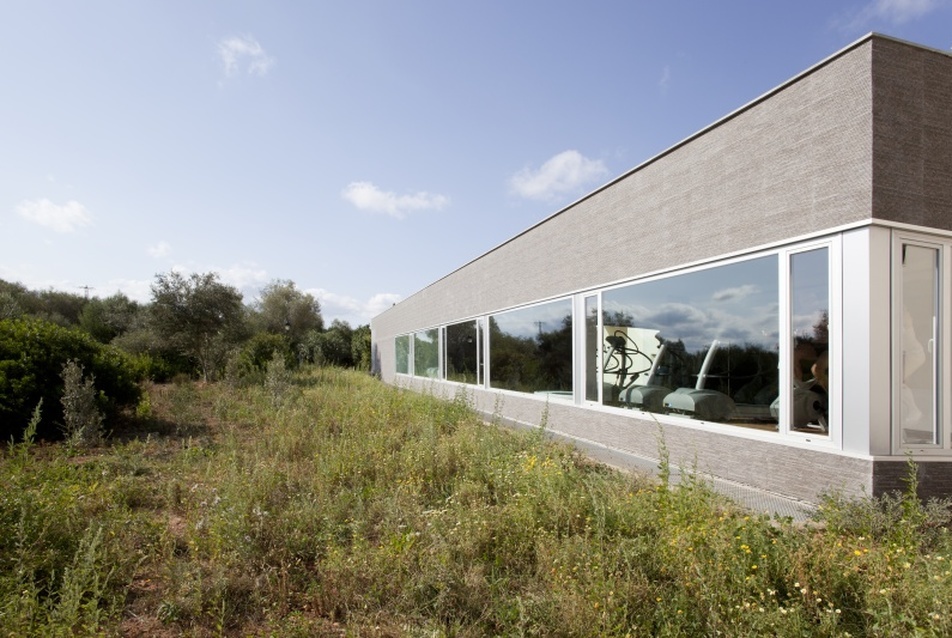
x=810, y=340
x=426, y=355
x=709, y=336
x=530, y=349
x=462, y=350
x=402, y=348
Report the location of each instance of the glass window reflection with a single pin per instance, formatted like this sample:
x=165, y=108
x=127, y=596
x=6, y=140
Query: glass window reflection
x=462, y=349
x=703, y=344
x=402, y=347
x=426, y=355
x=810, y=345
x=530, y=349
x=591, y=348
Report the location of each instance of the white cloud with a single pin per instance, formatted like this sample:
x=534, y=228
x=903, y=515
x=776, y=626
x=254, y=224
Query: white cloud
x=239, y=53
x=136, y=290
x=353, y=311
x=160, y=249
x=244, y=276
x=895, y=11
x=566, y=173
x=248, y=278
x=62, y=219
x=736, y=293
x=366, y=196
x=380, y=302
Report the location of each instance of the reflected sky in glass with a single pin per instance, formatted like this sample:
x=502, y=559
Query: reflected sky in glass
x=529, y=322
x=735, y=302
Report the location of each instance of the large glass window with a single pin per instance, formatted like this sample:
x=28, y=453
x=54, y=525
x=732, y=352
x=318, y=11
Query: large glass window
x=530, y=349
x=402, y=347
x=918, y=338
x=703, y=344
x=426, y=353
x=462, y=352
x=810, y=341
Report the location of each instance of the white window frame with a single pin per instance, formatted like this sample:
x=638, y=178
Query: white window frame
x=486, y=358
x=943, y=333
x=834, y=436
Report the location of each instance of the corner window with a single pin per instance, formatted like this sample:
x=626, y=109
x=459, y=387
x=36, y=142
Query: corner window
x=918, y=336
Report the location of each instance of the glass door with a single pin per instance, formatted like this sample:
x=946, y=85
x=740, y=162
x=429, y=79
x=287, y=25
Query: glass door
x=918, y=334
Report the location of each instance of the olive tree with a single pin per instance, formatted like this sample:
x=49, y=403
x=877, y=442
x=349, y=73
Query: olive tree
x=334, y=346
x=283, y=309
x=198, y=315
x=106, y=319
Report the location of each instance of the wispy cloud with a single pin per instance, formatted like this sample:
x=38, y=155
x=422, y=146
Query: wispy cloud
x=895, y=12
x=244, y=53
x=566, y=173
x=366, y=196
x=62, y=219
x=665, y=80
x=735, y=294
x=160, y=249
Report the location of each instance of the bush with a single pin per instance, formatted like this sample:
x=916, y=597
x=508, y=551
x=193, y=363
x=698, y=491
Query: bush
x=82, y=421
x=32, y=355
x=251, y=361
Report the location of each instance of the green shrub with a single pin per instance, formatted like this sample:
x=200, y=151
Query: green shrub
x=250, y=362
x=82, y=420
x=32, y=355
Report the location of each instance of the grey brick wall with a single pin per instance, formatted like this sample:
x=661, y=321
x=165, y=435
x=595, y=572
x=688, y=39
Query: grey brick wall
x=912, y=141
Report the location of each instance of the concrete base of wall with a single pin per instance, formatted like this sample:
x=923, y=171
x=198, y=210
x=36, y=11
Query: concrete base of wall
x=797, y=472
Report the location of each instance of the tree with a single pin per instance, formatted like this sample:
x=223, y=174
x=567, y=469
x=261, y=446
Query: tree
x=283, y=309
x=32, y=355
x=200, y=316
x=361, y=348
x=106, y=319
x=57, y=306
x=333, y=347
x=10, y=295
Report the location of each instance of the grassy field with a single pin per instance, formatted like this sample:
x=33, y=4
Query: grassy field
x=332, y=505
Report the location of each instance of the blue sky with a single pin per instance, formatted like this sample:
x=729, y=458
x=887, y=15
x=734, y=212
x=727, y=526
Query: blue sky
x=360, y=149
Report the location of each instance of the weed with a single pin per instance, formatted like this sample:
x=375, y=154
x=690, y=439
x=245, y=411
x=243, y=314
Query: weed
x=82, y=418
x=277, y=380
x=348, y=507
x=29, y=434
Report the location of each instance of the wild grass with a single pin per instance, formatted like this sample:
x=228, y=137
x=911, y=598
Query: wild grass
x=329, y=504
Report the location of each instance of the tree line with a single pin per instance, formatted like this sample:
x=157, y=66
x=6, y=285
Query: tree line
x=194, y=326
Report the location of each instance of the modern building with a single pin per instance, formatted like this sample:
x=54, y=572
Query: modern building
x=771, y=297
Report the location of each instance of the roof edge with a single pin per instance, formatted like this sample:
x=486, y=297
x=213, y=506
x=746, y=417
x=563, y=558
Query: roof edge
x=687, y=140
